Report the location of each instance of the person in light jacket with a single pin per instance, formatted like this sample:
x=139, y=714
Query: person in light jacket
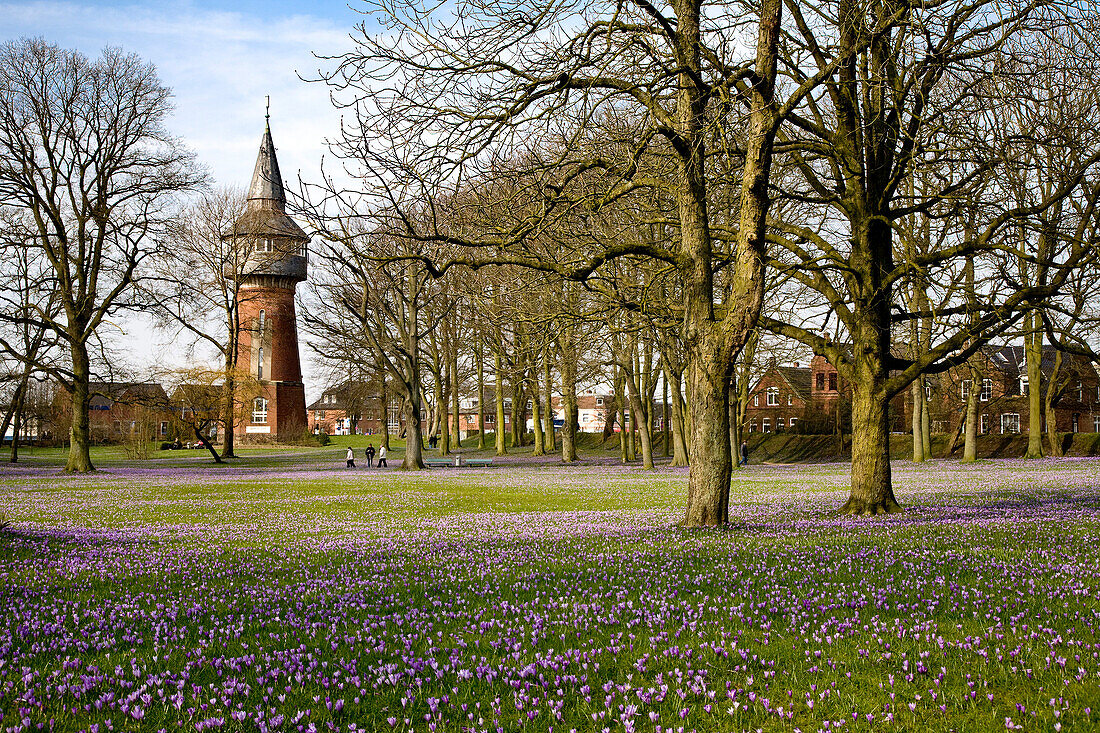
x=382, y=456
x=351, y=458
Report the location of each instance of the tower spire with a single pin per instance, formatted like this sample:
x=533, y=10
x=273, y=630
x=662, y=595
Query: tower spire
x=267, y=181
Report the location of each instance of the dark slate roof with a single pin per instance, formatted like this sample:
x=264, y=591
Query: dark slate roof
x=105, y=394
x=799, y=378
x=265, y=212
x=350, y=395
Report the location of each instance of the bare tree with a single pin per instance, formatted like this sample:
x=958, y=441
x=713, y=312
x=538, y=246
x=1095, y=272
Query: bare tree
x=195, y=295
x=923, y=97
x=443, y=98
x=84, y=153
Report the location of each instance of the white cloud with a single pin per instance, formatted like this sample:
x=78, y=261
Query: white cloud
x=220, y=65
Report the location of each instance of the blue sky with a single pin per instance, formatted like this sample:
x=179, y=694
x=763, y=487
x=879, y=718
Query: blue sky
x=220, y=59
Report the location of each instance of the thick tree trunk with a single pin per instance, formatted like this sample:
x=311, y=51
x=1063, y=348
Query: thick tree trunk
x=711, y=460
x=918, y=404
x=80, y=434
x=925, y=423
x=970, y=442
x=872, y=491
x=414, y=438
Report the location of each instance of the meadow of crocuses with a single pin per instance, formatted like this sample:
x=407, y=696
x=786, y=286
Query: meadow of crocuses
x=540, y=597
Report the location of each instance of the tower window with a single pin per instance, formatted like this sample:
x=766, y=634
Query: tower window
x=260, y=364
x=262, y=320
x=259, y=410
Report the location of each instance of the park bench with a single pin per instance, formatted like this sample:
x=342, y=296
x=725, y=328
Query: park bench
x=458, y=462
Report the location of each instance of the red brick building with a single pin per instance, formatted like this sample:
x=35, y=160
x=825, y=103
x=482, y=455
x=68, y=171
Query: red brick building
x=119, y=411
x=1003, y=405
x=354, y=408
x=275, y=264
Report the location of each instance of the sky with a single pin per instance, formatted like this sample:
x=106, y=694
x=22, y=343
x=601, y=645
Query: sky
x=220, y=59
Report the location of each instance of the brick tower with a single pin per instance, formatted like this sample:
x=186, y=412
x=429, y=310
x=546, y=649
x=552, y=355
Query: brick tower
x=273, y=253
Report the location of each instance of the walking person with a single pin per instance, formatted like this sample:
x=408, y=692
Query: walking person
x=382, y=456
x=744, y=454
x=351, y=458
x=370, y=455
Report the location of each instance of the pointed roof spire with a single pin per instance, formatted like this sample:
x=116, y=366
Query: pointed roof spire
x=265, y=211
x=267, y=181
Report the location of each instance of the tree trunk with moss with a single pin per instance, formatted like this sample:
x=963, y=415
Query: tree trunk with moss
x=970, y=441
x=872, y=490
x=80, y=433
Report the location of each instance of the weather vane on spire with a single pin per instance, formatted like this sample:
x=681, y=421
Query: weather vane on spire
x=267, y=111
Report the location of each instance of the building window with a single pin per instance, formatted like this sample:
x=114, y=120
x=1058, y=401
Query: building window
x=927, y=392
x=1096, y=423
x=1010, y=422
x=1080, y=393
x=599, y=401
x=766, y=425
x=964, y=392
x=832, y=382
x=778, y=424
x=1023, y=384
x=790, y=400
x=259, y=410
x=164, y=427
x=319, y=414
x=987, y=392
x=820, y=382
x=983, y=424
x=793, y=421
x=260, y=364
x=265, y=245
x=262, y=321
x=752, y=426
x=773, y=396
x=1076, y=422
x=756, y=400
x=489, y=419
x=529, y=406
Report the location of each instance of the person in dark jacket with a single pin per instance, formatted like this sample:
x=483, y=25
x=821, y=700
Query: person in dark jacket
x=370, y=455
x=744, y=453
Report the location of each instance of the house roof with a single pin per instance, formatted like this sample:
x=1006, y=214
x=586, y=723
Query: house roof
x=106, y=394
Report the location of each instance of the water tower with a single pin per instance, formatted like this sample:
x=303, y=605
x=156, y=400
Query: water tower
x=272, y=262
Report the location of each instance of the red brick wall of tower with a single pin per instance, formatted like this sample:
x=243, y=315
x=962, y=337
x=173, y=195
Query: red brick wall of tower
x=269, y=328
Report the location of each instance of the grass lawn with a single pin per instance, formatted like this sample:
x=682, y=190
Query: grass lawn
x=284, y=592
